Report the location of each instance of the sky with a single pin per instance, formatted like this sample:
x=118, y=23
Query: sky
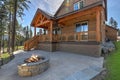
x=51, y=6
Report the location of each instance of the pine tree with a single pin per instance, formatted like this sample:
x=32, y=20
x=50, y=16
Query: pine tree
x=113, y=23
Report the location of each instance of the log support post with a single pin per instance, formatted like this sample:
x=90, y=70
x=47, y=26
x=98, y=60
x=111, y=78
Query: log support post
x=98, y=34
x=51, y=30
x=34, y=31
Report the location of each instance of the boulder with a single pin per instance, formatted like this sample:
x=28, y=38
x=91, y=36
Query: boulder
x=107, y=47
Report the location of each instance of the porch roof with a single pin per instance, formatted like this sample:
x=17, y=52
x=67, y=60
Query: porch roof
x=39, y=11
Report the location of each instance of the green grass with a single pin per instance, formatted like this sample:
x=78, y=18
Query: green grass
x=19, y=47
x=5, y=55
x=5, y=58
x=113, y=64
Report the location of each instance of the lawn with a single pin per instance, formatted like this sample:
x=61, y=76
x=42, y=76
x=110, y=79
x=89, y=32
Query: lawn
x=113, y=64
x=5, y=58
x=5, y=55
x=19, y=48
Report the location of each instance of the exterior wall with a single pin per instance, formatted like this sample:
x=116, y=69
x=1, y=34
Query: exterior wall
x=84, y=48
x=69, y=6
x=103, y=25
x=111, y=33
x=71, y=27
x=47, y=46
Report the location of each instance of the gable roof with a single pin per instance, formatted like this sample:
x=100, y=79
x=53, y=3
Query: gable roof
x=47, y=15
x=50, y=14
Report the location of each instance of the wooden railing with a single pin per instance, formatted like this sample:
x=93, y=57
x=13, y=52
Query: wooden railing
x=31, y=43
x=44, y=38
x=81, y=36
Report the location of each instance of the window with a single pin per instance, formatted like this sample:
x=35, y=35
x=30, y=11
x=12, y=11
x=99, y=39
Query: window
x=83, y=28
x=78, y=5
x=81, y=4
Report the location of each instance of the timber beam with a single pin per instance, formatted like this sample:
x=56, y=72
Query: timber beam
x=43, y=23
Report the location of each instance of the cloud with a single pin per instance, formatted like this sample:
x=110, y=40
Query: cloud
x=49, y=6
x=54, y=5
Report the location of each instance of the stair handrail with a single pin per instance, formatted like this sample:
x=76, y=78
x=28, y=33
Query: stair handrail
x=31, y=43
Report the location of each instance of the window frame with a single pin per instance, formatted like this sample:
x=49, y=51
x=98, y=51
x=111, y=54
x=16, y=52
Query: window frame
x=83, y=32
x=79, y=5
x=80, y=24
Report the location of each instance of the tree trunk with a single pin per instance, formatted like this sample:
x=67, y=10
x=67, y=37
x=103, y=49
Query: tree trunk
x=14, y=24
x=17, y=45
x=9, y=33
x=0, y=47
x=3, y=43
x=0, y=39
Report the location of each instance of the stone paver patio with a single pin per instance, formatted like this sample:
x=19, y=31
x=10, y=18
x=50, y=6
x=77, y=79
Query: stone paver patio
x=63, y=66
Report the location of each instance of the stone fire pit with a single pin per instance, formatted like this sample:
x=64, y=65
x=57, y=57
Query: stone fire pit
x=33, y=66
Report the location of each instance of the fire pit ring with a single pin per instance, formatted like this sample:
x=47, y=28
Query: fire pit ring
x=33, y=68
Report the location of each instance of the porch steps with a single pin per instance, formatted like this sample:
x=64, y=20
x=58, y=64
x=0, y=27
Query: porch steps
x=31, y=43
x=86, y=74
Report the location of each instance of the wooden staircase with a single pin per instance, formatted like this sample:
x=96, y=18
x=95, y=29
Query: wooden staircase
x=31, y=43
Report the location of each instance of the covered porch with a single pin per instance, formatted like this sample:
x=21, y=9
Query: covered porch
x=82, y=26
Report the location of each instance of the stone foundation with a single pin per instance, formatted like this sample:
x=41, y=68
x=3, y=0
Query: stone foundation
x=46, y=46
x=85, y=48
x=31, y=69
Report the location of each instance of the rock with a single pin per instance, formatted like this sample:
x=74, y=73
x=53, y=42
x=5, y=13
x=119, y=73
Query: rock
x=107, y=47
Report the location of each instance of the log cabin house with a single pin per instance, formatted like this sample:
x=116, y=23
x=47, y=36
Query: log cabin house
x=111, y=33
x=78, y=27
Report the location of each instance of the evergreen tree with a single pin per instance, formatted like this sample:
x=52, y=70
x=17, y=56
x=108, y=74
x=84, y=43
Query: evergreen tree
x=113, y=23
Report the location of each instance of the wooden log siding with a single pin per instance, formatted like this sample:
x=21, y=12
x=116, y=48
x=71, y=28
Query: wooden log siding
x=79, y=14
x=111, y=33
x=71, y=3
